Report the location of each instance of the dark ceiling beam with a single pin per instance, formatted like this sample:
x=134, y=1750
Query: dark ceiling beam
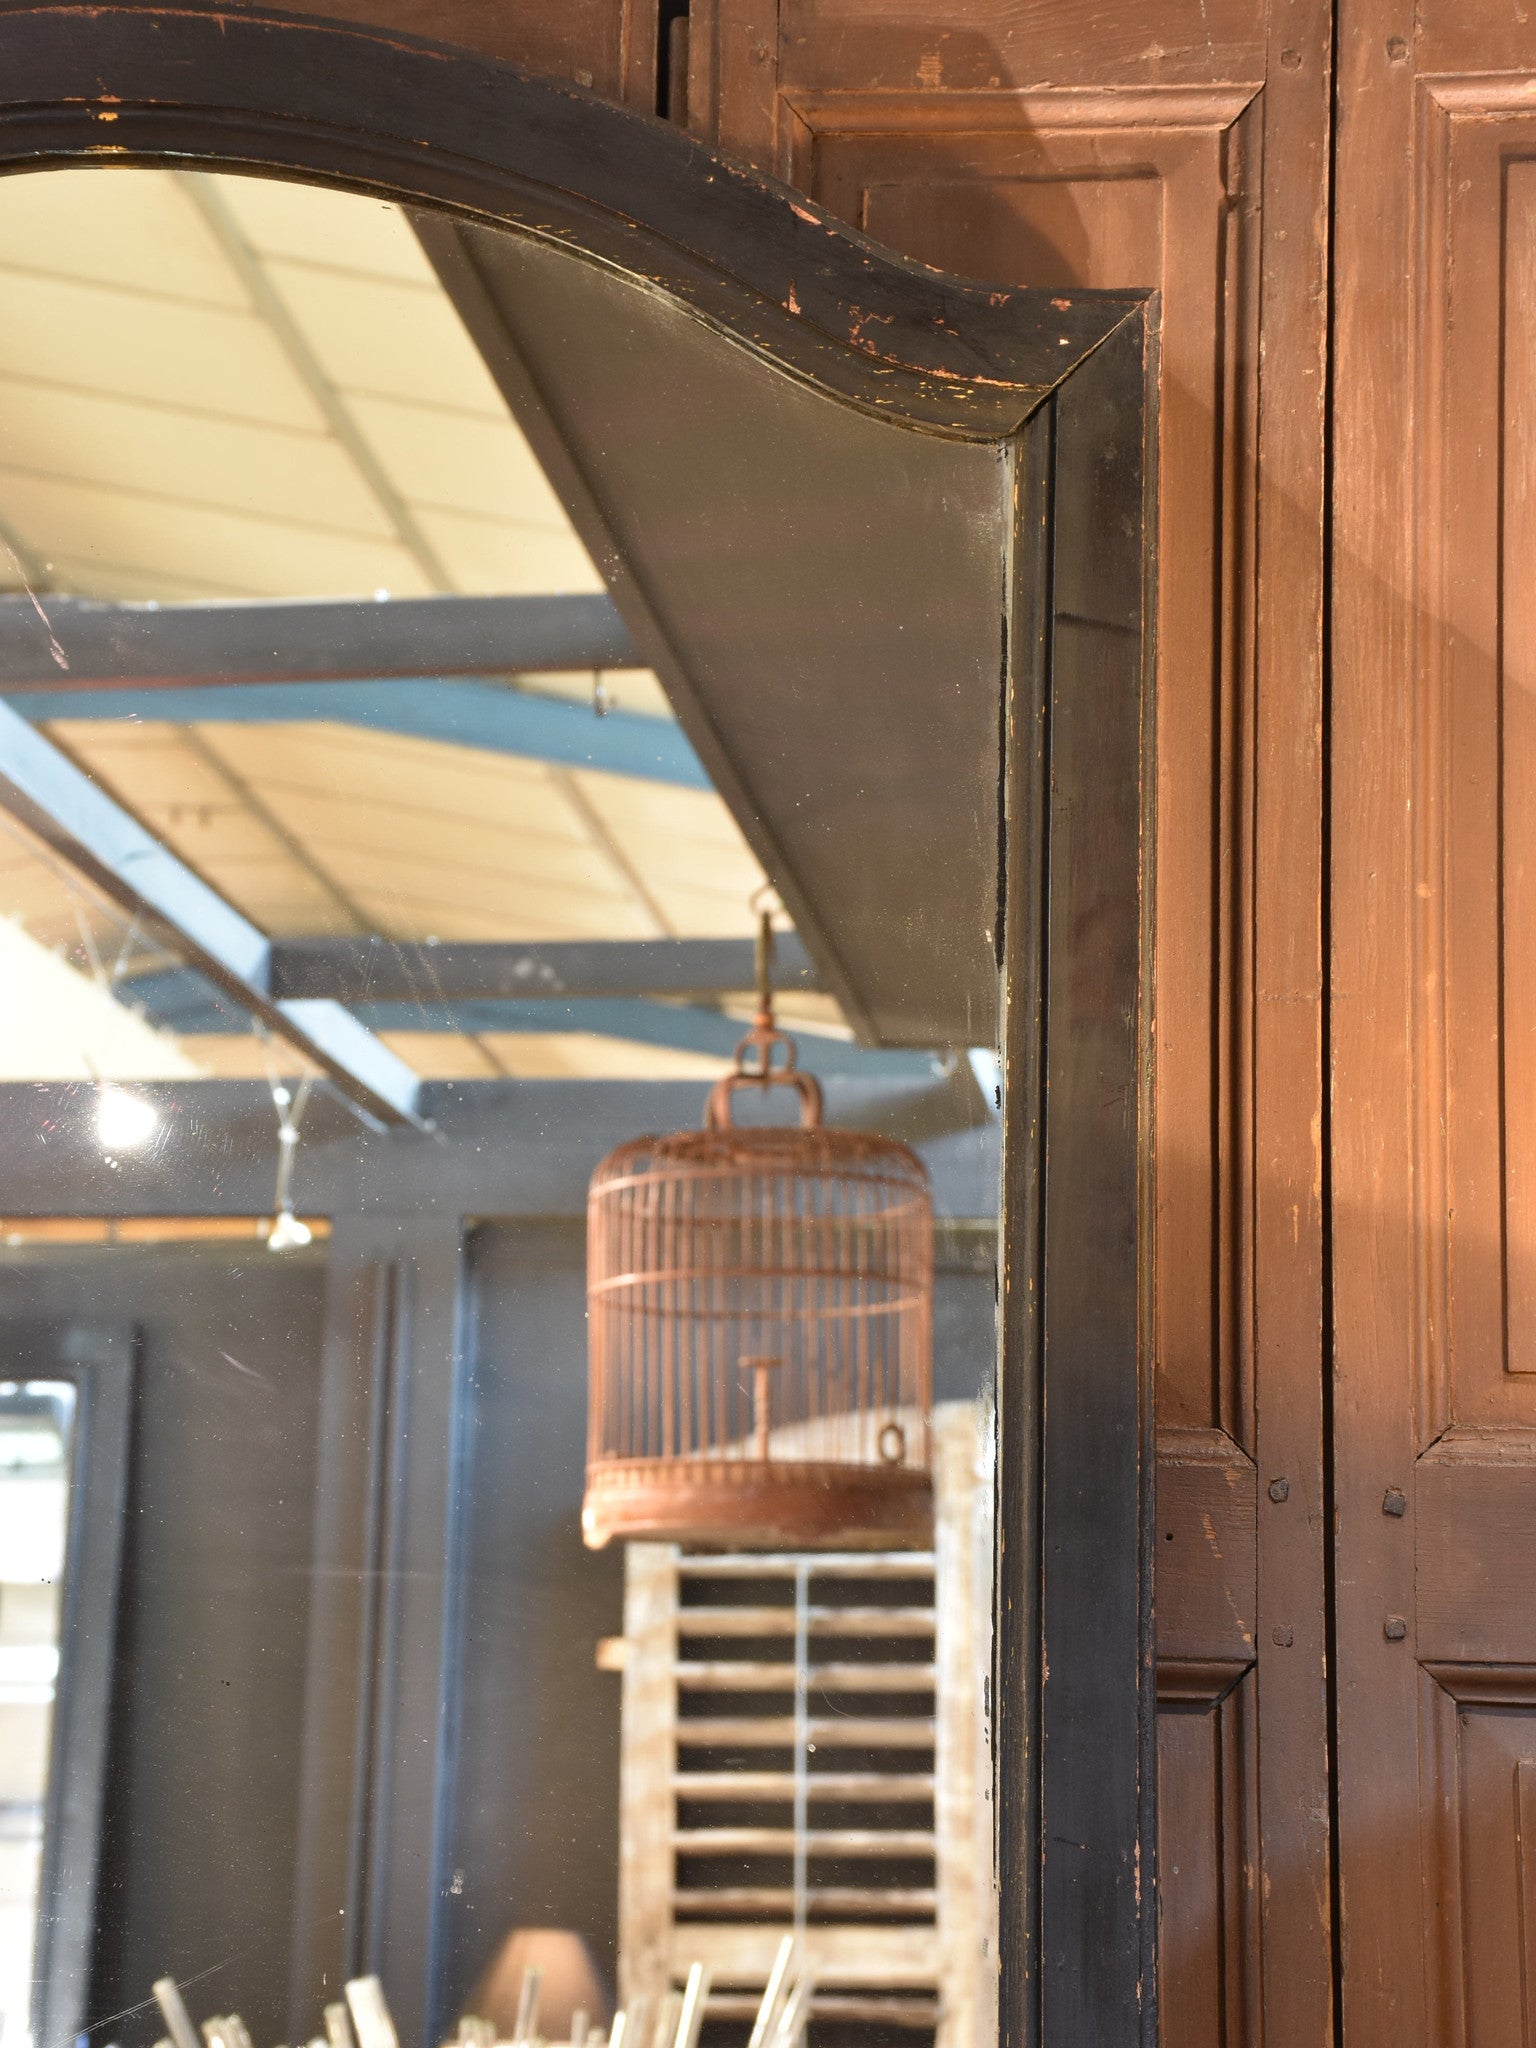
x=386, y=970
x=325, y=640
x=102, y=842
x=182, y=1002
x=672, y=1027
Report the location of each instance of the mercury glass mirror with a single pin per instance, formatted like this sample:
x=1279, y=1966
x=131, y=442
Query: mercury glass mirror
x=443, y=634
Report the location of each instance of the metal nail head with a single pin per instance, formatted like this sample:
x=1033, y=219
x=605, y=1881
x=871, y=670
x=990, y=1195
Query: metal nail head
x=1394, y=1628
x=1279, y=1489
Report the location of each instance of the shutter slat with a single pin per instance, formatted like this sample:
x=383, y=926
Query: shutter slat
x=818, y=1841
x=780, y=1899
x=850, y=1785
x=883, y=1936
x=825, y=1564
x=824, y=1621
x=777, y=1731
x=740, y=1675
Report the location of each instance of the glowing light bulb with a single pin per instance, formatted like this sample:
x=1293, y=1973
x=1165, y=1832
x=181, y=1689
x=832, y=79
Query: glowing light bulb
x=288, y=1233
x=124, y=1122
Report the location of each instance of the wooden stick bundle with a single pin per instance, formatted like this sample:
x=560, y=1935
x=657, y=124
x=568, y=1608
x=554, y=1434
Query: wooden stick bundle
x=364, y=2021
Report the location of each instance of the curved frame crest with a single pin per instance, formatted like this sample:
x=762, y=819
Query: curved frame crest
x=424, y=125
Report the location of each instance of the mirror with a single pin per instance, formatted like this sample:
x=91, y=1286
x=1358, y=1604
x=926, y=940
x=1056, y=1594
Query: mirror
x=427, y=656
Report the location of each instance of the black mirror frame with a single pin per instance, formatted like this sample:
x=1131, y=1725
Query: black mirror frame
x=1067, y=383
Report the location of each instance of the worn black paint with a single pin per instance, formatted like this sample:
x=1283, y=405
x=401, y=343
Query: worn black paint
x=312, y=640
x=1097, y=1790
x=1017, y=1647
x=818, y=591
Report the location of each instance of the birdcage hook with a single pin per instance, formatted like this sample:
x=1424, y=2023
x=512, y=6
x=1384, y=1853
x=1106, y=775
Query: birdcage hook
x=766, y=1057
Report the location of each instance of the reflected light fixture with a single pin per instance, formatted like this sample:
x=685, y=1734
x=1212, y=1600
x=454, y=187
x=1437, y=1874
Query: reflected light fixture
x=287, y=1234
x=124, y=1121
x=760, y=1326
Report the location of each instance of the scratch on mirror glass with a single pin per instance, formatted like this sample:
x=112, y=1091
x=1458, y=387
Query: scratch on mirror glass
x=146, y=2004
x=54, y=649
x=249, y=1370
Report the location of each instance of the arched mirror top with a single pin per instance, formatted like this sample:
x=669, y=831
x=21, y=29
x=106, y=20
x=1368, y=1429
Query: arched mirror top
x=425, y=125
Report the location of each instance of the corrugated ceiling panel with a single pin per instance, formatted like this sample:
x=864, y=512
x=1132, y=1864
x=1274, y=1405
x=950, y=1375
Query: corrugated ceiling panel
x=389, y=771
x=52, y=431
x=163, y=775
x=341, y=230
x=403, y=340
x=120, y=583
x=438, y=455
x=485, y=555
x=578, y=1056
x=95, y=227
x=266, y=557
x=685, y=846
x=137, y=358
x=444, y=1055
x=165, y=349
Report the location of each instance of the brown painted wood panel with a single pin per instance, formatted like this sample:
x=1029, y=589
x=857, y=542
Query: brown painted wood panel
x=1478, y=1846
x=1207, y=1988
x=587, y=42
x=1475, y=1542
x=1517, y=796
x=1183, y=146
x=1071, y=190
x=1207, y=1566
x=1475, y=765
x=1434, y=771
x=1082, y=190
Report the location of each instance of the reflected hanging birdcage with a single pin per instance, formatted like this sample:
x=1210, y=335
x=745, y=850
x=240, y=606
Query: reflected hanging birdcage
x=760, y=1328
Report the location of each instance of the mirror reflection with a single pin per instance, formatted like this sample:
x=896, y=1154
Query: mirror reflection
x=364, y=895
x=36, y=1429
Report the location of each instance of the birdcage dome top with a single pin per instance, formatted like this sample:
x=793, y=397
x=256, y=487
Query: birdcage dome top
x=768, y=1148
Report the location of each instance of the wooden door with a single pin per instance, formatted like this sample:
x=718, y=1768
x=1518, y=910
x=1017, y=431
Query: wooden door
x=1183, y=146
x=1434, y=836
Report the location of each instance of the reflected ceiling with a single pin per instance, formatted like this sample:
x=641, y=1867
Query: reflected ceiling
x=219, y=388
x=232, y=387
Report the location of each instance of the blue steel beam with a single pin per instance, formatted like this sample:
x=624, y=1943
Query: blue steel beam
x=90, y=833
x=459, y=712
x=463, y=713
